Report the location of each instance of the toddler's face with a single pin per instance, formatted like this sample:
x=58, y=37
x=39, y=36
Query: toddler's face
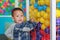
x=18, y=16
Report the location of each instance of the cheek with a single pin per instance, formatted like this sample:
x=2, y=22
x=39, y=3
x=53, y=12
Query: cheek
x=22, y=18
x=16, y=18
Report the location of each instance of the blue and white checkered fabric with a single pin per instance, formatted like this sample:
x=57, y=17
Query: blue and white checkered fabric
x=22, y=31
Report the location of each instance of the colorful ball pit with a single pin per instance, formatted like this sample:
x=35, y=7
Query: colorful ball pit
x=6, y=6
x=22, y=5
x=58, y=28
x=40, y=10
x=57, y=19
x=40, y=34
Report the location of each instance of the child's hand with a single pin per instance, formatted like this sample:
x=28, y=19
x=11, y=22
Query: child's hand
x=32, y=19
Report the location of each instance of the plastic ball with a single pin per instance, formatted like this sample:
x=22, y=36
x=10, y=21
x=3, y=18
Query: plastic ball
x=24, y=10
x=0, y=1
x=47, y=30
x=13, y=4
x=58, y=5
x=58, y=22
x=41, y=2
x=47, y=36
x=35, y=11
x=35, y=5
x=42, y=20
x=40, y=8
x=6, y=0
x=44, y=7
x=57, y=0
x=2, y=7
x=58, y=38
x=38, y=26
x=32, y=1
x=24, y=2
x=43, y=27
x=5, y=4
x=21, y=0
x=47, y=23
x=42, y=13
x=43, y=38
x=23, y=6
x=38, y=14
x=1, y=11
x=42, y=32
x=57, y=13
x=46, y=16
x=12, y=1
x=58, y=31
x=47, y=2
x=1, y=4
x=20, y=5
x=48, y=10
x=32, y=7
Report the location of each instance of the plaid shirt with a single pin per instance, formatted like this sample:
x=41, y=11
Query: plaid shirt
x=22, y=31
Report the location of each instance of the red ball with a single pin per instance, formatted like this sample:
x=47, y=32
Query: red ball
x=42, y=32
x=33, y=34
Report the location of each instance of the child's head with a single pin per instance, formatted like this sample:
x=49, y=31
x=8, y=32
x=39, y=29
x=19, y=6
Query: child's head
x=17, y=15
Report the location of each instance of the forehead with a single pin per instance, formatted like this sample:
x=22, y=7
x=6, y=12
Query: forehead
x=17, y=12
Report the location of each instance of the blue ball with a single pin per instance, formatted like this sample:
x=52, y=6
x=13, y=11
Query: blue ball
x=58, y=38
x=58, y=5
x=47, y=30
x=23, y=6
x=40, y=8
x=44, y=7
x=35, y=5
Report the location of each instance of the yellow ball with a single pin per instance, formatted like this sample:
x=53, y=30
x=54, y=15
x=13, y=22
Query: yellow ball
x=13, y=4
x=32, y=7
x=43, y=27
x=41, y=2
x=47, y=2
x=48, y=10
x=38, y=14
x=32, y=1
x=47, y=23
x=42, y=20
x=32, y=14
x=6, y=0
x=57, y=13
x=46, y=16
x=38, y=19
x=20, y=5
x=35, y=11
x=2, y=7
x=42, y=13
x=24, y=18
x=57, y=0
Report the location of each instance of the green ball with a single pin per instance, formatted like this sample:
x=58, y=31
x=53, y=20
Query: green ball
x=12, y=1
x=0, y=4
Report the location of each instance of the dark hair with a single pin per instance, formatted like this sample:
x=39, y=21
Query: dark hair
x=16, y=9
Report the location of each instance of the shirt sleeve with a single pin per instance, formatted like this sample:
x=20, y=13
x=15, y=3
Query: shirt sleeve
x=9, y=32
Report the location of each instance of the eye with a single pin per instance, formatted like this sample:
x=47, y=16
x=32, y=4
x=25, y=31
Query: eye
x=21, y=15
x=17, y=16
